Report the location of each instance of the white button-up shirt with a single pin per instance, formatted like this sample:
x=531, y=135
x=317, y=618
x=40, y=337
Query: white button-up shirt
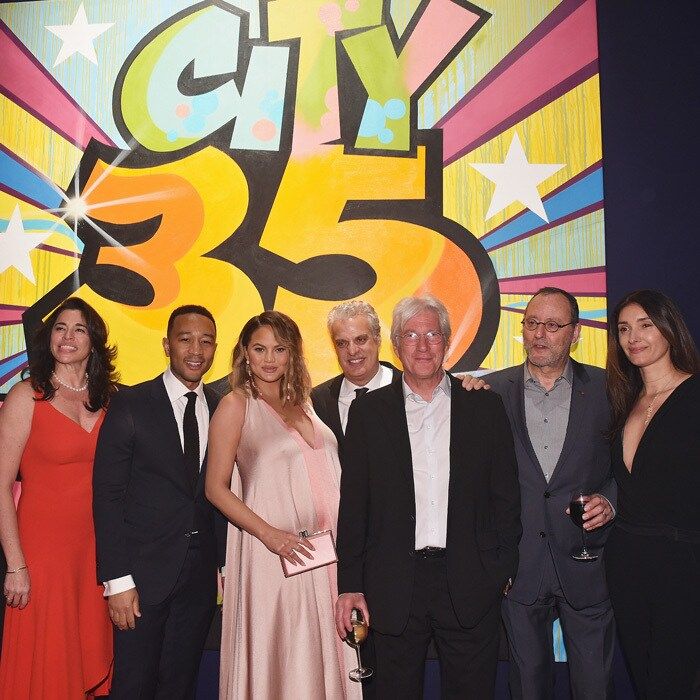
x=347, y=391
x=429, y=434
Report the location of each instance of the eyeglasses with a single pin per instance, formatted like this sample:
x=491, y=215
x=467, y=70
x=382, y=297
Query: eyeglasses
x=549, y=326
x=431, y=337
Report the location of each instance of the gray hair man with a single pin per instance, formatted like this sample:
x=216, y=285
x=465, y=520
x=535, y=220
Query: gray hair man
x=559, y=414
x=429, y=516
x=355, y=330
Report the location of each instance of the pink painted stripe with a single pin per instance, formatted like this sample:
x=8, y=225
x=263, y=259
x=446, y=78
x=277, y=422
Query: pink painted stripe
x=569, y=47
x=11, y=314
x=589, y=282
x=441, y=27
x=24, y=80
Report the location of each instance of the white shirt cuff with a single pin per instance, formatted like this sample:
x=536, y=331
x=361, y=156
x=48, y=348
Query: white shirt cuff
x=119, y=585
x=223, y=571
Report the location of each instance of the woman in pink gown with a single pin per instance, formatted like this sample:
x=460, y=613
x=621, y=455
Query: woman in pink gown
x=278, y=638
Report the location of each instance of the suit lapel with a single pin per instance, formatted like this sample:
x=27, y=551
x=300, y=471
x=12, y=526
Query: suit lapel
x=332, y=410
x=172, y=445
x=397, y=428
x=577, y=412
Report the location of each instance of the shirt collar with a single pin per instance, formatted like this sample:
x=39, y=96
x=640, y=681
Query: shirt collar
x=348, y=388
x=567, y=374
x=445, y=386
x=176, y=389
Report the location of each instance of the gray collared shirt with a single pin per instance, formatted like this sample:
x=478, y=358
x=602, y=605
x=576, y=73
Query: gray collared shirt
x=547, y=417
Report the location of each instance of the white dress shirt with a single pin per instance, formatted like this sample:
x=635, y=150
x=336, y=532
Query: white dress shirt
x=383, y=377
x=429, y=434
x=176, y=391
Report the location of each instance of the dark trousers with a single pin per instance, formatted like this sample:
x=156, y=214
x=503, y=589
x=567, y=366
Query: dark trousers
x=655, y=591
x=589, y=637
x=468, y=656
x=160, y=658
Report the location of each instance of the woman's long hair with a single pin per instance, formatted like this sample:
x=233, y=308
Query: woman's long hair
x=102, y=375
x=295, y=386
x=624, y=379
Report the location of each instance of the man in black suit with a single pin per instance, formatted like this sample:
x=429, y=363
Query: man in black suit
x=356, y=334
x=559, y=414
x=429, y=517
x=155, y=531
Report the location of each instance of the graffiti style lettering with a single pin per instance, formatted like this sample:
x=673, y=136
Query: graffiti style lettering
x=314, y=23
x=180, y=87
x=386, y=118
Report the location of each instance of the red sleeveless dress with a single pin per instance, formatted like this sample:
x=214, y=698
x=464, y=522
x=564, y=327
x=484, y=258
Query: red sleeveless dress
x=59, y=647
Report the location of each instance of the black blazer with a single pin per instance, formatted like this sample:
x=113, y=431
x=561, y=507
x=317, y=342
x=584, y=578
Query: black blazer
x=584, y=462
x=144, y=504
x=376, y=525
x=324, y=398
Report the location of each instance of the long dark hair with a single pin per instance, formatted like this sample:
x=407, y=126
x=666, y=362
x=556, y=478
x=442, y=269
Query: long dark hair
x=102, y=375
x=296, y=383
x=624, y=379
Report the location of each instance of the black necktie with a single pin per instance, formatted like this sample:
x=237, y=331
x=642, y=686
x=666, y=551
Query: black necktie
x=361, y=391
x=190, y=430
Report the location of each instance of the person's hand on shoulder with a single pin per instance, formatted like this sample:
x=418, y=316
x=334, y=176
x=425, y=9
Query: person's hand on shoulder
x=470, y=382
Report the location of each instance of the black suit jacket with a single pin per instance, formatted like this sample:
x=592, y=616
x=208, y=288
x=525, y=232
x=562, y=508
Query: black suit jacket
x=584, y=462
x=377, y=520
x=144, y=504
x=324, y=398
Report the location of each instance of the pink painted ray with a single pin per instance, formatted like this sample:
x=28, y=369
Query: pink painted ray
x=534, y=74
x=10, y=314
x=588, y=282
x=25, y=81
x=441, y=27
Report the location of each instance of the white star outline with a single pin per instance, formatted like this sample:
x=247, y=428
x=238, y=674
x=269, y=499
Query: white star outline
x=516, y=180
x=16, y=244
x=78, y=37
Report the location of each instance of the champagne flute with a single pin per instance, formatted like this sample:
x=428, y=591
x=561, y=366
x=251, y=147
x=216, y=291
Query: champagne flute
x=577, y=503
x=354, y=639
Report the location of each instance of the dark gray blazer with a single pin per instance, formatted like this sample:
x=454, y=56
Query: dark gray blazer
x=584, y=462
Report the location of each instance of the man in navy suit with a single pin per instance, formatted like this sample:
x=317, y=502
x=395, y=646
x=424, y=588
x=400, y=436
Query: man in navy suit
x=157, y=550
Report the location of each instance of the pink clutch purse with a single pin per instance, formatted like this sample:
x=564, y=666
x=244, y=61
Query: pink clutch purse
x=323, y=555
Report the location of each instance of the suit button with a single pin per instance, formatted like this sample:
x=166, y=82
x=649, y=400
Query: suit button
x=543, y=534
x=547, y=494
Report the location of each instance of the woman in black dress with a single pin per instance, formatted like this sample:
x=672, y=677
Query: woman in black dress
x=652, y=556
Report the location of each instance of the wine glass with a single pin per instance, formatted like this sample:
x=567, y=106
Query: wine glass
x=354, y=639
x=577, y=502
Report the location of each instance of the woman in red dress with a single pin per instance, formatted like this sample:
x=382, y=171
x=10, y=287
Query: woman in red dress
x=57, y=639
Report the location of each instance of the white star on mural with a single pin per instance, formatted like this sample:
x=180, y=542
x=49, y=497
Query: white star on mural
x=78, y=36
x=15, y=246
x=516, y=180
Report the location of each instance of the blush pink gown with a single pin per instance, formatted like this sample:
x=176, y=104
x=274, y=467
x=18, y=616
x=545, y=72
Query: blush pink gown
x=279, y=638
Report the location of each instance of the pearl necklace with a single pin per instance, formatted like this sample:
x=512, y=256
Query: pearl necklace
x=650, y=407
x=77, y=390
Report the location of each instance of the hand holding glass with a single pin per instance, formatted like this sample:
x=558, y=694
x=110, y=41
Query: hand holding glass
x=354, y=639
x=577, y=503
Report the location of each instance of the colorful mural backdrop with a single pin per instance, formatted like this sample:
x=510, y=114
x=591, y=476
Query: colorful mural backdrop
x=294, y=153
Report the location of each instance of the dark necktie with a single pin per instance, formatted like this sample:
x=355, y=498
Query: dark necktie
x=190, y=430
x=361, y=391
